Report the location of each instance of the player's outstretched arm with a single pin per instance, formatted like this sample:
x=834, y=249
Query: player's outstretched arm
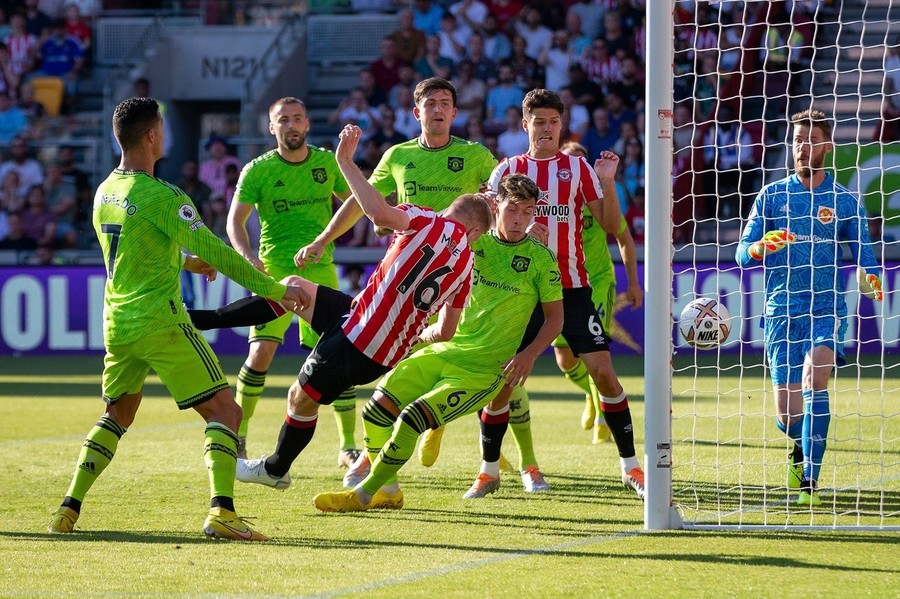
x=370, y=200
x=342, y=221
x=517, y=369
x=609, y=212
x=634, y=294
x=444, y=328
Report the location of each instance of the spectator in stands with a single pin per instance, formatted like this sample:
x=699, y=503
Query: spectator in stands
x=505, y=94
x=552, y=13
x=44, y=255
x=355, y=109
x=529, y=74
x=470, y=93
x=453, y=38
x=39, y=221
x=213, y=169
x=490, y=142
x=504, y=12
x=598, y=137
x=28, y=169
x=4, y=22
x=537, y=36
x=618, y=42
x=404, y=116
x=586, y=92
x=591, y=15
x=34, y=111
x=386, y=68
x=197, y=190
x=556, y=59
x=634, y=216
x=483, y=68
x=16, y=238
x=61, y=56
x=470, y=14
x=232, y=174
x=514, y=139
x=22, y=45
x=727, y=150
x=433, y=64
x=627, y=132
x=10, y=198
x=352, y=279
x=409, y=41
x=141, y=89
x=37, y=22
x=474, y=131
x=579, y=42
x=633, y=165
x=218, y=217
x=84, y=197
x=497, y=47
x=629, y=87
x=367, y=156
x=386, y=134
x=576, y=118
x=618, y=112
x=889, y=129
x=408, y=79
x=78, y=28
x=13, y=121
x=427, y=17
x=9, y=81
x=374, y=92
x=60, y=198
x=600, y=66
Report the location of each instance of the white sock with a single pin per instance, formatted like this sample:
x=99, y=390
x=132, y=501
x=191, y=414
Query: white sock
x=391, y=489
x=492, y=469
x=628, y=464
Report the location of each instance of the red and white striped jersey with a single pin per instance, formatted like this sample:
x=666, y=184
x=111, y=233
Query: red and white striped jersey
x=425, y=267
x=566, y=184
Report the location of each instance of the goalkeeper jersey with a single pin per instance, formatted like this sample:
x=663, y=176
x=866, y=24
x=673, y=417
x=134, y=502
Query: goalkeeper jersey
x=294, y=202
x=141, y=223
x=805, y=278
x=508, y=281
x=433, y=177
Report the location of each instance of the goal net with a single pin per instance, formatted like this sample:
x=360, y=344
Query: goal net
x=740, y=70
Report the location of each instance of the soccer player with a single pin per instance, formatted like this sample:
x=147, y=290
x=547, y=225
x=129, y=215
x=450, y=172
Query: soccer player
x=514, y=273
x=427, y=268
x=795, y=230
x=141, y=223
x=602, y=277
x=568, y=184
x=291, y=187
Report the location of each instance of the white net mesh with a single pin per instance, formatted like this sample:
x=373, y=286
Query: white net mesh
x=741, y=70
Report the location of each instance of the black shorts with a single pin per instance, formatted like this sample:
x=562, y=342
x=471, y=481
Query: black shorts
x=582, y=326
x=331, y=307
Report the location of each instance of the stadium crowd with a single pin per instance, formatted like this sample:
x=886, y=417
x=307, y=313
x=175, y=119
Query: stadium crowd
x=728, y=56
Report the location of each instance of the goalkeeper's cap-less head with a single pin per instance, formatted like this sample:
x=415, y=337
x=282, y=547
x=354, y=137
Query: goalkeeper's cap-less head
x=813, y=118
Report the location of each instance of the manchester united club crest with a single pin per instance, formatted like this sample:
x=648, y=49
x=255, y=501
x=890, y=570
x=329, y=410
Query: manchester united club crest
x=455, y=163
x=520, y=263
x=826, y=215
x=319, y=175
x=564, y=175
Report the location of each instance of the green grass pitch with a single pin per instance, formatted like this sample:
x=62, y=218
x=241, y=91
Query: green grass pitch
x=139, y=533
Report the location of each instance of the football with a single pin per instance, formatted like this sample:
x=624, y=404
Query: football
x=705, y=323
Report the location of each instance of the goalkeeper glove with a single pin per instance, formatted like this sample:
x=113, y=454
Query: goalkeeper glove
x=869, y=285
x=773, y=241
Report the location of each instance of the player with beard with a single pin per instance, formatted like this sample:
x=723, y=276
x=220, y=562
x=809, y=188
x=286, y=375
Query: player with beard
x=796, y=229
x=291, y=188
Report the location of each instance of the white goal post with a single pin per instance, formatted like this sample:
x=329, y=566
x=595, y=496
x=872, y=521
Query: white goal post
x=713, y=455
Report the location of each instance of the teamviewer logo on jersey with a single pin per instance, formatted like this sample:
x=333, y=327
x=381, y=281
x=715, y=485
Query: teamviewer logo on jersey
x=520, y=263
x=455, y=163
x=409, y=188
x=319, y=175
x=280, y=206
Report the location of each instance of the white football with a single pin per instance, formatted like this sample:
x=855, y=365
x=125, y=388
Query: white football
x=705, y=323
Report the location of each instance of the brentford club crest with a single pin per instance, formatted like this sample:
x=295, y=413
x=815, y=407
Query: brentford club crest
x=826, y=215
x=564, y=175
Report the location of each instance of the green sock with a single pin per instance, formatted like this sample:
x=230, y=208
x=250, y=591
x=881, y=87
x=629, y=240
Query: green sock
x=520, y=423
x=96, y=454
x=345, y=416
x=220, y=455
x=392, y=457
x=250, y=385
x=579, y=375
x=595, y=398
x=378, y=424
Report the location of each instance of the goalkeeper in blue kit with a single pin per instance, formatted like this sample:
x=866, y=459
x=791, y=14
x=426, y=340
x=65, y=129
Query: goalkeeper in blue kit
x=796, y=229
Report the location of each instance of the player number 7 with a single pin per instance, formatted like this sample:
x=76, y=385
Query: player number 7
x=114, y=231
